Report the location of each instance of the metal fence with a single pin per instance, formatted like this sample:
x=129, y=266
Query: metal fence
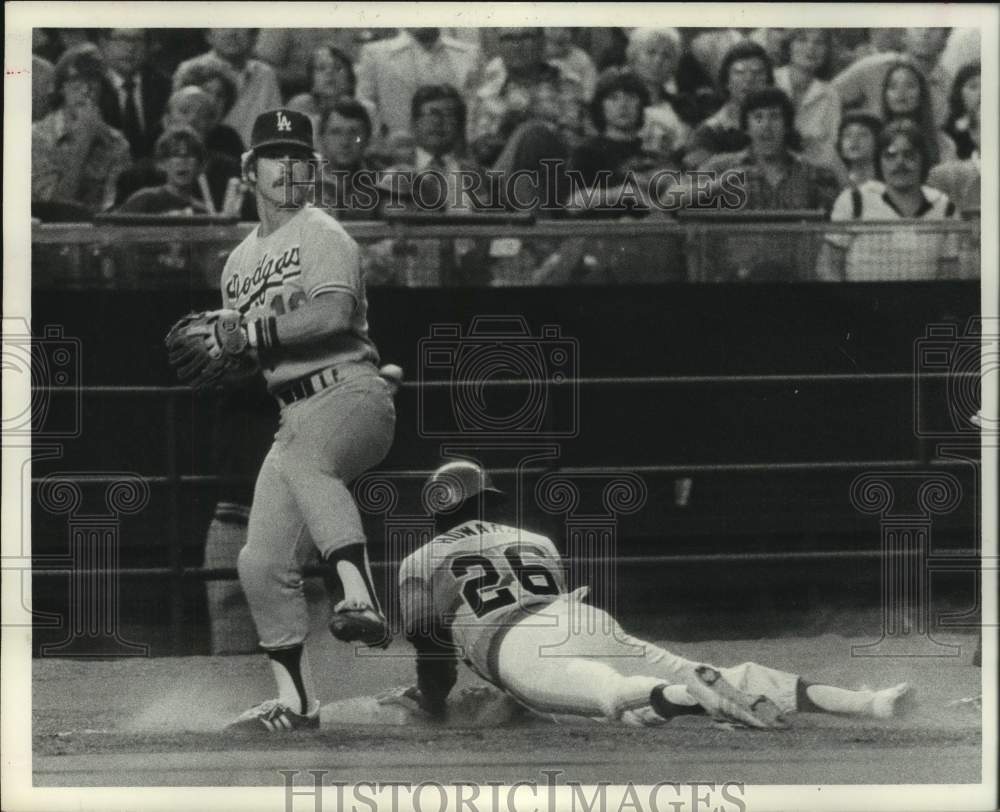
x=495, y=253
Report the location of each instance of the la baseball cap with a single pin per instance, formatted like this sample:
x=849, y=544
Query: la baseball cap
x=282, y=128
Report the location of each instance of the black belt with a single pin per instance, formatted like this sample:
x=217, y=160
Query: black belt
x=306, y=386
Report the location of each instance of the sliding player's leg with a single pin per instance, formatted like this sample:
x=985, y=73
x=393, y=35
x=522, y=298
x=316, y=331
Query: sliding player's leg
x=552, y=668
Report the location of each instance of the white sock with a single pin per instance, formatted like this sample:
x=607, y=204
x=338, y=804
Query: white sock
x=678, y=695
x=839, y=700
x=355, y=587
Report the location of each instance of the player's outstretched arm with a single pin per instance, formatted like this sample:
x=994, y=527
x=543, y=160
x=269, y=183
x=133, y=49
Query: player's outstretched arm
x=437, y=671
x=437, y=663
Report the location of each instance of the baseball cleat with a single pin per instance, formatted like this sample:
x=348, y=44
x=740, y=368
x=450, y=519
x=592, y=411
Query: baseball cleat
x=726, y=703
x=354, y=622
x=891, y=702
x=274, y=717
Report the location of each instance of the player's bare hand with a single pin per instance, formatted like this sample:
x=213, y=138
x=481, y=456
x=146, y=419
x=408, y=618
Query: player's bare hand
x=412, y=700
x=393, y=375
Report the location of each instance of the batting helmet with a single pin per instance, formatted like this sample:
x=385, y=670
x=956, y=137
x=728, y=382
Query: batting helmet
x=453, y=483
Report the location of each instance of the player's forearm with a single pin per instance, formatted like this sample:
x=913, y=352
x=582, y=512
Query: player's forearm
x=437, y=671
x=313, y=321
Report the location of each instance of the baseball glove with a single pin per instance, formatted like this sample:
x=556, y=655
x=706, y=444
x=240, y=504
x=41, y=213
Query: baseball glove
x=209, y=349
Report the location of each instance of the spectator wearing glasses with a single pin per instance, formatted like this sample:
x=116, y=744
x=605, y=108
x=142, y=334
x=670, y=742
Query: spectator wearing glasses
x=905, y=95
x=431, y=185
x=136, y=94
x=898, y=193
x=745, y=68
x=219, y=82
x=331, y=79
x=438, y=117
x=807, y=54
x=75, y=156
x=256, y=83
x=390, y=72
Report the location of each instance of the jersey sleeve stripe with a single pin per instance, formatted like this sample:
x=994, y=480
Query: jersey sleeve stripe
x=319, y=290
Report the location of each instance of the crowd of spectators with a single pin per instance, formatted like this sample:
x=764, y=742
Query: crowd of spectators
x=854, y=124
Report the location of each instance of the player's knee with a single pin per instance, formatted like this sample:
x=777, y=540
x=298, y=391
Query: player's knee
x=254, y=570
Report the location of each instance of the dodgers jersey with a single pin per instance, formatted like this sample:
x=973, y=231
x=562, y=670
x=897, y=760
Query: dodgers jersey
x=308, y=256
x=478, y=576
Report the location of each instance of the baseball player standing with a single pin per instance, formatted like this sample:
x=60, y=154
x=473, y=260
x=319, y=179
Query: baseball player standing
x=494, y=595
x=296, y=283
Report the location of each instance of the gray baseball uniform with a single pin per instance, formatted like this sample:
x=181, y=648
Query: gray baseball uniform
x=337, y=415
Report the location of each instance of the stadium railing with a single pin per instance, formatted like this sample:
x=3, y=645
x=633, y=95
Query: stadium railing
x=745, y=247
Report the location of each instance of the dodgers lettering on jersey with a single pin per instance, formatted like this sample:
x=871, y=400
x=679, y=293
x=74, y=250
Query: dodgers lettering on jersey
x=308, y=256
x=479, y=575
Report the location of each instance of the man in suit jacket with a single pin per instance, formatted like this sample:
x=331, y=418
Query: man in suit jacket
x=136, y=94
x=439, y=181
x=390, y=71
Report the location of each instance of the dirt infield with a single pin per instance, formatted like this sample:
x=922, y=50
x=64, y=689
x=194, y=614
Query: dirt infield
x=156, y=722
